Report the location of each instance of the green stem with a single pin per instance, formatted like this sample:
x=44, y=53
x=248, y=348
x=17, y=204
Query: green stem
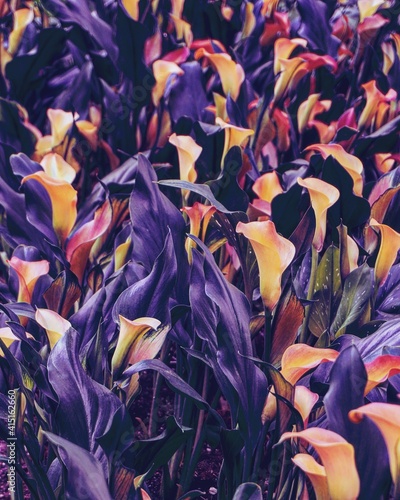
x=310, y=293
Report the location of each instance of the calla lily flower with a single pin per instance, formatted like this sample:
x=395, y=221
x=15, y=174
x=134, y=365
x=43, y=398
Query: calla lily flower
x=338, y=459
x=162, y=71
x=199, y=215
x=282, y=124
x=387, y=418
x=389, y=56
x=278, y=25
x=350, y=163
x=304, y=401
x=231, y=74
x=28, y=273
x=188, y=152
x=380, y=369
x=368, y=8
x=183, y=30
x=305, y=110
x=8, y=337
x=21, y=19
x=274, y=254
x=138, y=340
x=384, y=162
x=266, y=187
x=249, y=20
x=63, y=202
x=374, y=98
x=234, y=136
x=283, y=48
x=292, y=71
x=390, y=245
x=269, y=7
x=79, y=245
x=322, y=196
x=54, y=324
x=121, y=254
x=298, y=359
x=132, y=8
x=316, y=474
x=60, y=122
x=55, y=166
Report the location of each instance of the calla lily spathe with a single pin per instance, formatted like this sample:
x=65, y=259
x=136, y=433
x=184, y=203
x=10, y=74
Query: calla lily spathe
x=322, y=196
x=274, y=254
x=188, y=152
x=315, y=472
x=55, y=166
x=54, y=324
x=388, y=250
x=162, y=71
x=338, y=459
x=387, y=418
x=28, y=273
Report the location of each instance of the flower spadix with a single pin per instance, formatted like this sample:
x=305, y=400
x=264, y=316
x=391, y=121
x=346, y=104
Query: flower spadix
x=322, y=196
x=274, y=254
x=338, y=459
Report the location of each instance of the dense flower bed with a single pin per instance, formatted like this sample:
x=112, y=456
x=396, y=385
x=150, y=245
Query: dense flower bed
x=202, y=194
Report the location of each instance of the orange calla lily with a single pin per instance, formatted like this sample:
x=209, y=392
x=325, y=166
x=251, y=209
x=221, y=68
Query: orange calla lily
x=28, y=273
x=55, y=166
x=266, y=187
x=338, y=459
x=89, y=132
x=79, y=245
x=137, y=340
x=390, y=245
x=374, y=98
x=283, y=47
x=282, y=124
x=162, y=71
x=304, y=401
x=384, y=162
x=231, y=73
x=322, y=196
x=292, y=71
x=316, y=474
x=274, y=254
x=234, y=136
x=305, y=110
x=21, y=19
x=380, y=369
x=54, y=324
x=387, y=418
x=350, y=163
x=298, y=359
x=183, y=30
x=389, y=56
x=198, y=214
x=63, y=202
x=278, y=25
x=188, y=152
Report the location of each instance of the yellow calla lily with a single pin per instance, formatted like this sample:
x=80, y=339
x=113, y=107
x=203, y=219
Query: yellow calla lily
x=292, y=71
x=132, y=8
x=28, y=273
x=322, y=196
x=231, y=73
x=7, y=336
x=274, y=254
x=21, y=19
x=338, y=459
x=283, y=47
x=162, y=71
x=137, y=340
x=387, y=418
x=367, y=8
x=183, y=30
x=188, y=152
x=316, y=474
x=266, y=187
x=390, y=245
x=63, y=202
x=350, y=163
x=234, y=136
x=374, y=98
x=54, y=324
x=55, y=166
x=60, y=122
